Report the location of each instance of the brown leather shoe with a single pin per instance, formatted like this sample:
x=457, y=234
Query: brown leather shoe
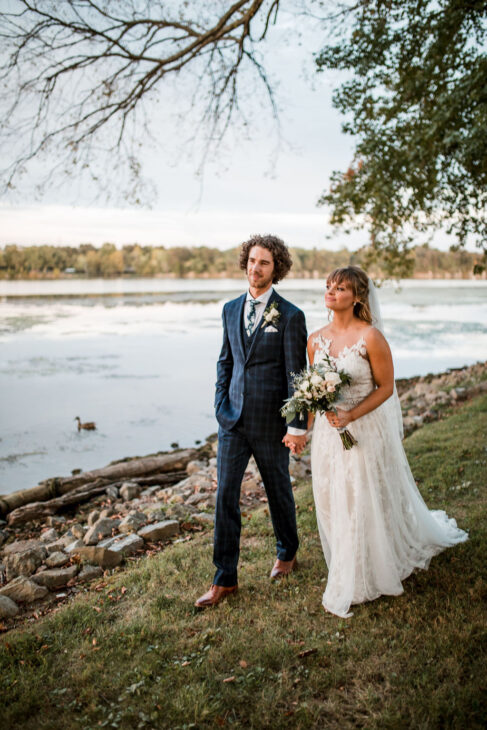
x=283, y=567
x=215, y=595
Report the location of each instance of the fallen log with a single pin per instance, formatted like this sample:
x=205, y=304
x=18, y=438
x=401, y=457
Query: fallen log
x=165, y=480
x=145, y=466
x=40, y=510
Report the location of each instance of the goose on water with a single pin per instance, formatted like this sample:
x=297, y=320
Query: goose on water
x=88, y=426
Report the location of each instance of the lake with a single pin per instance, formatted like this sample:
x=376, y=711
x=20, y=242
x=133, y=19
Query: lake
x=137, y=356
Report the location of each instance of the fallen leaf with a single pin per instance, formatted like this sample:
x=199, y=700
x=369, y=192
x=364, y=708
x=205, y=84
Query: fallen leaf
x=124, y=590
x=243, y=664
x=229, y=679
x=97, y=609
x=94, y=642
x=185, y=664
x=307, y=652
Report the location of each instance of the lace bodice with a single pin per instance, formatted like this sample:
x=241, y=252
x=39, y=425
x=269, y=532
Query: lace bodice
x=353, y=360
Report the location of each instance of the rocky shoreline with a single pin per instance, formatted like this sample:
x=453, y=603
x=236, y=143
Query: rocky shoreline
x=45, y=562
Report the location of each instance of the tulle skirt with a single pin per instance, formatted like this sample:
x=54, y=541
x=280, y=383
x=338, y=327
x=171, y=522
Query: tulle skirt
x=374, y=526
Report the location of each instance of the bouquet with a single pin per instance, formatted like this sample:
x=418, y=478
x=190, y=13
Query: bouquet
x=316, y=389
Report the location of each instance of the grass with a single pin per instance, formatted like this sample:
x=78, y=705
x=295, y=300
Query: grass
x=135, y=654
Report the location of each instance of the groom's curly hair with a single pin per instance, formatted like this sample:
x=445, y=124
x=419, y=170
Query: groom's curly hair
x=280, y=254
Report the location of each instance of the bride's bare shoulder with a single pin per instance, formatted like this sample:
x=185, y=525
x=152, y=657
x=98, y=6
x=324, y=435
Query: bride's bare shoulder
x=374, y=338
x=322, y=332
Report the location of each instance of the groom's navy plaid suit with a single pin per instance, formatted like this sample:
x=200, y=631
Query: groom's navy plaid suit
x=253, y=380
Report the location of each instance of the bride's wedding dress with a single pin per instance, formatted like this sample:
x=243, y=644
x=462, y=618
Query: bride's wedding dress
x=374, y=526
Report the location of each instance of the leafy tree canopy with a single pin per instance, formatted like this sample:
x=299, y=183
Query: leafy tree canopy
x=415, y=99
x=77, y=76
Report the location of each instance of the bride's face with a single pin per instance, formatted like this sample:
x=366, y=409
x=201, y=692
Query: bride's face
x=339, y=297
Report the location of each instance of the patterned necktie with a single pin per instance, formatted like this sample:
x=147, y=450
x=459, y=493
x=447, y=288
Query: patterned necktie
x=251, y=316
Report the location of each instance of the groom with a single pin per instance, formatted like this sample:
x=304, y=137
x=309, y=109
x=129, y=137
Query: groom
x=264, y=342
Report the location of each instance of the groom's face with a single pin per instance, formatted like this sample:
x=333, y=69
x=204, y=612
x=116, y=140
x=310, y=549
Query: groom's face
x=260, y=268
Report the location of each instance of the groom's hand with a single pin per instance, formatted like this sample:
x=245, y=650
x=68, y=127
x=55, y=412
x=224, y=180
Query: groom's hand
x=295, y=444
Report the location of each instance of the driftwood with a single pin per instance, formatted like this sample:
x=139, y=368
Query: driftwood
x=164, y=480
x=40, y=510
x=143, y=467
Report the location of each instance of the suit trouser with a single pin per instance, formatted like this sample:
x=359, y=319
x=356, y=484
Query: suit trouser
x=235, y=448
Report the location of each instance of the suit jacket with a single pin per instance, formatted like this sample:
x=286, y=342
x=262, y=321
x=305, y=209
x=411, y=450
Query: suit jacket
x=259, y=381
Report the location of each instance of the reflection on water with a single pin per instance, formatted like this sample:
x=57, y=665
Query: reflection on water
x=138, y=357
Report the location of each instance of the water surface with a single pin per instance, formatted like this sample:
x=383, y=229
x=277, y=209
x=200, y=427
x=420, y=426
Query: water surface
x=138, y=357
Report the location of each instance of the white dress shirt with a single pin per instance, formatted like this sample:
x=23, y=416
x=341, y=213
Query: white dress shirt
x=261, y=304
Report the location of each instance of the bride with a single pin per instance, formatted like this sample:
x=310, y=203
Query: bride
x=374, y=526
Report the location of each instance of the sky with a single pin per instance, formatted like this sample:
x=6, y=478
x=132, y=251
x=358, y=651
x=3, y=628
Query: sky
x=249, y=189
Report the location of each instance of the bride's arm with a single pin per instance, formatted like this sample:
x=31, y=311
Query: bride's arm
x=311, y=357
x=380, y=359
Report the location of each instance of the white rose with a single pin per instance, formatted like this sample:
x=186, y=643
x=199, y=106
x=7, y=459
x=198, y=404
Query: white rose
x=332, y=378
x=330, y=388
x=316, y=379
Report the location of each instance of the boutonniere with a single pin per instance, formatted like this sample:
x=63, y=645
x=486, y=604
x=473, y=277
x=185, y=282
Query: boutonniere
x=271, y=315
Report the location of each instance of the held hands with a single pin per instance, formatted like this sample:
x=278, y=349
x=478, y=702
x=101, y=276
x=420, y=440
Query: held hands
x=295, y=444
x=340, y=419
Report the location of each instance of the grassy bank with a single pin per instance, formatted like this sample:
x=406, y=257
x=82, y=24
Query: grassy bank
x=135, y=654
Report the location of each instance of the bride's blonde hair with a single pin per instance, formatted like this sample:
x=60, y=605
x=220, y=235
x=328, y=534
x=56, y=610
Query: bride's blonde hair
x=359, y=283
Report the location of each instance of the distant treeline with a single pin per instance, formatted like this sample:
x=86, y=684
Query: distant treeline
x=52, y=262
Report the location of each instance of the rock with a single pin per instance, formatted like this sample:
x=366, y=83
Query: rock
x=251, y=486
x=56, y=577
x=23, y=590
x=197, y=497
x=297, y=469
x=49, y=535
x=55, y=520
x=108, y=541
x=78, y=530
x=159, y=531
x=93, y=518
x=100, y=556
x=88, y=572
x=8, y=608
x=112, y=493
x=24, y=563
x=3, y=536
x=152, y=507
x=132, y=522
x=129, y=490
x=180, y=511
x=176, y=499
x=56, y=560
x=107, y=512
x=58, y=546
x=127, y=545
x=19, y=546
x=149, y=491
x=204, y=517
x=157, y=515
x=101, y=528
x=209, y=501
x=164, y=493
x=74, y=547
x=195, y=466
x=195, y=482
